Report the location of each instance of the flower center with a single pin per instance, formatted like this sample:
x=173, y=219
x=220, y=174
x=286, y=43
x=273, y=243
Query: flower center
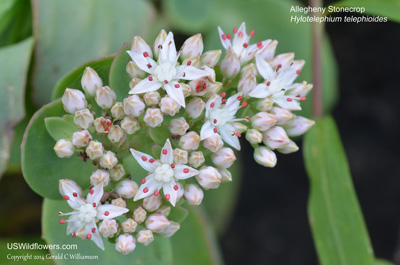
x=165, y=72
x=219, y=117
x=164, y=173
x=87, y=213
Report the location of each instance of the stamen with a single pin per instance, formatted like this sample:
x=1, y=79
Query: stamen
x=212, y=105
x=159, y=46
x=185, y=170
x=228, y=36
x=75, y=194
x=177, y=86
x=189, y=63
x=289, y=99
x=240, y=34
x=106, y=213
x=215, y=120
x=176, y=187
x=151, y=160
x=145, y=190
x=297, y=95
x=62, y=221
x=164, y=151
x=167, y=196
x=223, y=94
x=238, y=134
x=145, y=54
x=149, y=66
x=109, y=123
x=279, y=66
x=244, y=104
x=107, y=129
x=91, y=191
x=150, y=78
x=235, y=30
x=73, y=234
x=143, y=181
x=66, y=197
x=224, y=100
x=303, y=98
x=94, y=204
x=94, y=230
x=298, y=72
x=156, y=192
x=215, y=130
x=144, y=158
x=252, y=33
x=89, y=236
x=165, y=81
x=268, y=83
x=172, y=165
x=245, y=45
x=239, y=98
x=224, y=37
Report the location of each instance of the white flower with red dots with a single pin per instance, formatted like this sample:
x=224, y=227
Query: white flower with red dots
x=239, y=44
x=220, y=115
x=164, y=174
x=277, y=81
x=165, y=72
x=86, y=212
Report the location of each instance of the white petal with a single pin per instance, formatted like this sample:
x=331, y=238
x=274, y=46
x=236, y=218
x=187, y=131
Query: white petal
x=168, y=188
x=207, y=130
x=73, y=224
x=168, y=51
x=75, y=202
x=189, y=72
x=142, y=62
x=264, y=68
x=113, y=211
x=289, y=105
x=226, y=43
x=179, y=172
x=216, y=99
x=175, y=93
x=290, y=74
x=226, y=134
x=232, y=104
x=145, y=86
x=97, y=194
x=96, y=238
x=144, y=160
x=167, y=158
x=260, y=91
x=151, y=184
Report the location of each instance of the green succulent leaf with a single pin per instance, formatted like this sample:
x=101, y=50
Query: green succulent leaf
x=60, y=128
x=119, y=78
x=178, y=214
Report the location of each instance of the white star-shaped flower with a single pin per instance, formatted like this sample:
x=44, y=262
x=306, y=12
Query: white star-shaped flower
x=82, y=221
x=164, y=73
x=164, y=174
x=277, y=82
x=220, y=118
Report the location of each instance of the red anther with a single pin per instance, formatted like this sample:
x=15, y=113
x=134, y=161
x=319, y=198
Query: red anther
x=145, y=54
x=89, y=236
x=268, y=83
x=212, y=105
x=145, y=190
x=303, y=98
x=164, y=151
x=165, y=81
x=185, y=170
x=245, y=45
x=156, y=192
x=247, y=118
x=259, y=45
x=215, y=121
x=238, y=134
x=235, y=30
x=289, y=99
x=109, y=123
x=107, y=129
x=176, y=187
x=223, y=94
x=215, y=130
x=204, y=85
x=73, y=234
x=144, y=158
x=106, y=213
x=189, y=63
x=279, y=66
x=91, y=191
x=224, y=100
x=93, y=230
x=66, y=197
x=228, y=36
x=280, y=141
x=150, y=78
x=244, y=104
x=240, y=34
x=152, y=160
x=252, y=33
x=224, y=37
x=177, y=86
x=298, y=72
x=172, y=165
x=167, y=196
x=94, y=204
x=148, y=65
x=143, y=181
x=239, y=98
x=62, y=221
x=75, y=194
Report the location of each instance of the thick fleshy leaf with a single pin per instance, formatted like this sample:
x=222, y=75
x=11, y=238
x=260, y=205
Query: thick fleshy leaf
x=383, y=262
x=203, y=248
x=41, y=167
x=336, y=220
x=178, y=214
x=14, y=62
x=158, y=252
x=60, y=128
x=81, y=31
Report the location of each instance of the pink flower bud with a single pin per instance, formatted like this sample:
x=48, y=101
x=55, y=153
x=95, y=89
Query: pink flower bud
x=140, y=46
x=284, y=116
x=125, y=244
x=189, y=141
x=268, y=50
x=152, y=202
x=105, y=97
x=130, y=125
x=178, y=126
x=64, y=148
x=291, y=147
x=117, y=111
x=265, y=156
x=299, y=89
x=69, y=187
x=180, y=156
x=171, y=229
x=226, y=176
x=119, y=202
x=145, y=237
x=139, y=215
x=129, y=225
x=73, y=100
x=151, y=98
x=91, y=81
x=108, y=160
x=108, y=228
x=100, y=177
x=213, y=143
x=283, y=60
x=192, y=47
x=134, y=71
x=224, y=158
x=134, y=82
x=81, y=138
x=83, y=118
x=211, y=58
x=230, y=65
x=158, y=42
x=153, y=117
x=115, y=134
x=195, y=107
x=133, y=106
x=263, y=121
x=247, y=84
x=275, y=137
x=299, y=126
x=249, y=69
x=127, y=188
x=209, y=178
x=157, y=222
x=239, y=127
x=164, y=210
x=193, y=194
x=196, y=159
x=169, y=106
x=117, y=172
x=94, y=149
x=265, y=104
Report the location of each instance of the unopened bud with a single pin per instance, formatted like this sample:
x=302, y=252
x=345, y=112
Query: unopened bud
x=268, y=52
x=192, y=47
x=130, y=125
x=196, y=159
x=178, y=126
x=117, y=111
x=164, y=210
x=108, y=160
x=69, y=187
x=91, y=81
x=299, y=89
x=127, y=188
x=209, y=178
x=145, y=237
x=140, y=46
x=133, y=106
x=108, y=228
x=64, y=148
x=264, y=156
x=152, y=202
x=189, y=141
x=158, y=42
x=186, y=89
x=134, y=71
x=169, y=106
x=129, y=225
x=81, y=138
x=94, y=150
x=230, y=65
x=157, y=222
x=263, y=121
x=265, y=104
x=151, y=98
x=73, y=100
x=195, y=107
x=213, y=143
x=153, y=117
x=105, y=97
x=100, y=176
x=192, y=61
x=134, y=82
x=284, y=116
x=275, y=137
x=282, y=60
x=249, y=69
x=119, y=202
x=180, y=156
x=117, y=172
x=291, y=147
x=226, y=175
x=171, y=229
x=254, y=136
x=211, y=58
x=247, y=84
x=299, y=126
x=139, y=215
x=193, y=194
x=125, y=244
x=224, y=158
x=102, y=125
x=239, y=127
x=83, y=118
x=115, y=134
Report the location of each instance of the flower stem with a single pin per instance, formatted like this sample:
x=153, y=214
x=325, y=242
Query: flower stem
x=317, y=37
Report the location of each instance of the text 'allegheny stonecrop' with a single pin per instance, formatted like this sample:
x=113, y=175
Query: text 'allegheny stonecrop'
x=177, y=99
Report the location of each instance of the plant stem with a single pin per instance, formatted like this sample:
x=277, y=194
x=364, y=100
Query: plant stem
x=317, y=37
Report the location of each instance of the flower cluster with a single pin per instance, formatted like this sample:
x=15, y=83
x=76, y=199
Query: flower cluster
x=180, y=121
